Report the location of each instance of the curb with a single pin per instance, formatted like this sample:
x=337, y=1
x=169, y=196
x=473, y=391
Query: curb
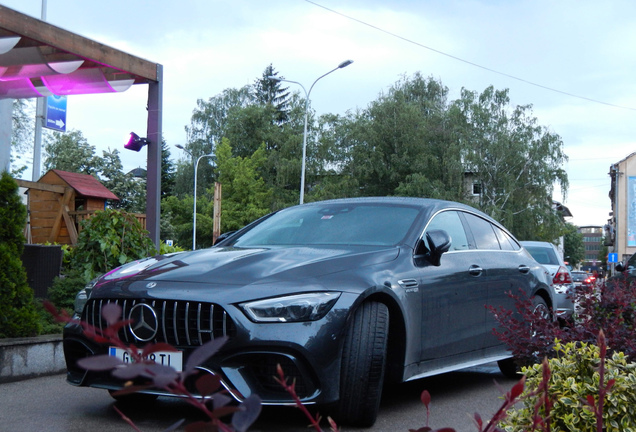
x=24, y=358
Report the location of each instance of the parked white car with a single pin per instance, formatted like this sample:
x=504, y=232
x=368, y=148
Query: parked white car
x=547, y=254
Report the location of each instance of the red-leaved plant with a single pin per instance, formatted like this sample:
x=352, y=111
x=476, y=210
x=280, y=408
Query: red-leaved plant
x=212, y=401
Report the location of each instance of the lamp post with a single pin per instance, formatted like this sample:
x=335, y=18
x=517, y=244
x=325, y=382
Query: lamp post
x=194, y=210
x=307, y=93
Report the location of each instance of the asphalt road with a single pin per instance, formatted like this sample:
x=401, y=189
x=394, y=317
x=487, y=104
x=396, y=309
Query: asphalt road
x=50, y=404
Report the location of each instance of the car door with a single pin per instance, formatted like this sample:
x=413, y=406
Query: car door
x=452, y=295
x=506, y=270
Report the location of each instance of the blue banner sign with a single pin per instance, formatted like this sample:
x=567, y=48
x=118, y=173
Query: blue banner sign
x=56, y=113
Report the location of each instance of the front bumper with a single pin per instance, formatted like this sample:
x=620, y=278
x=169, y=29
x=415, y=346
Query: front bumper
x=564, y=300
x=308, y=352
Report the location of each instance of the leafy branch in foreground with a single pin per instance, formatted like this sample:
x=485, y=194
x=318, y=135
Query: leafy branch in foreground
x=211, y=401
x=579, y=390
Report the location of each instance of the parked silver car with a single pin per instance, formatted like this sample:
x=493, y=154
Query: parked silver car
x=547, y=254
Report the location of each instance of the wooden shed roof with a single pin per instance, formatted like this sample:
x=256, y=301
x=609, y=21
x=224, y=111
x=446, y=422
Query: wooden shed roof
x=85, y=185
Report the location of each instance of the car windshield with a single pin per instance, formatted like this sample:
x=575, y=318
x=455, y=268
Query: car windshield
x=543, y=255
x=335, y=224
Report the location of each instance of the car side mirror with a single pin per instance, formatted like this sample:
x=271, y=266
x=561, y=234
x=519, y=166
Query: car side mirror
x=620, y=266
x=437, y=243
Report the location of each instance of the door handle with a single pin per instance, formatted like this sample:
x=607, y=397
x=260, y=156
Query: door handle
x=524, y=268
x=475, y=270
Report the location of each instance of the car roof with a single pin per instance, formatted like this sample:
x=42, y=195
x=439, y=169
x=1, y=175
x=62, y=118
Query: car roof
x=424, y=203
x=537, y=243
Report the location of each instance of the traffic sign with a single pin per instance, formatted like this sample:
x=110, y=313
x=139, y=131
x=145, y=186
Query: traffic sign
x=56, y=113
x=612, y=257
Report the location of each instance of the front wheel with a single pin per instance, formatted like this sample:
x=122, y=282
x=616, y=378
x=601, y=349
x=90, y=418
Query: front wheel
x=509, y=368
x=133, y=399
x=363, y=365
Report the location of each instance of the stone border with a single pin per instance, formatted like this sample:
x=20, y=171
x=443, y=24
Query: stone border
x=24, y=358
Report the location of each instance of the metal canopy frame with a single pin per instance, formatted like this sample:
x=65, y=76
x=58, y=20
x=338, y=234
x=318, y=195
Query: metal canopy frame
x=61, y=50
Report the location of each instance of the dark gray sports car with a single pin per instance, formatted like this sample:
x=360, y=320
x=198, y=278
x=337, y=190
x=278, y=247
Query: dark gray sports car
x=344, y=294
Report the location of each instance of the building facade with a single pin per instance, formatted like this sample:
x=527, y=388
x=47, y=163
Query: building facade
x=620, y=231
x=593, y=243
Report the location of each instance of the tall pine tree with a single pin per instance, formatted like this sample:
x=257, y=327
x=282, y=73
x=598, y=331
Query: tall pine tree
x=270, y=93
x=18, y=317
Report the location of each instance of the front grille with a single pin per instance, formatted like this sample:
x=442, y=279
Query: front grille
x=181, y=323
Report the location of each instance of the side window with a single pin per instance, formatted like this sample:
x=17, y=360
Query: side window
x=485, y=237
x=450, y=222
x=505, y=241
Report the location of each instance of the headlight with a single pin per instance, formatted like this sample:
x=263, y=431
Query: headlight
x=80, y=301
x=82, y=297
x=294, y=308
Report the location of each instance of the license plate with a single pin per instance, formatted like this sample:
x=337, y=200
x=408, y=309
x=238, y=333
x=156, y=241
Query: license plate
x=173, y=359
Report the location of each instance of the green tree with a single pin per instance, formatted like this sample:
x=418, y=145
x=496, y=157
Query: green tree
x=329, y=159
x=270, y=92
x=249, y=127
x=167, y=171
x=602, y=255
x=131, y=191
x=176, y=220
x=516, y=160
x=403, y=143
x=207, y=127
x=209, y=118
x=23, y=126
x=18, y=315
x=71, y=152
x=573, y=247
x=245, y=195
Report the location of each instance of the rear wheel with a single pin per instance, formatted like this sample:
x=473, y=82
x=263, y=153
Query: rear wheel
x=509, y=367
x=363, y=365
x=541, y=308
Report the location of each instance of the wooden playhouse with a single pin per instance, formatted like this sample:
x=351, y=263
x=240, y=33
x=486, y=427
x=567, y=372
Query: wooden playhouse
x=59, y=201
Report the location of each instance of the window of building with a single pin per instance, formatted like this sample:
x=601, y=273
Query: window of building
x=476, y=188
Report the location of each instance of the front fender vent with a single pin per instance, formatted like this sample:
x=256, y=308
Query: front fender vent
x=408, y=283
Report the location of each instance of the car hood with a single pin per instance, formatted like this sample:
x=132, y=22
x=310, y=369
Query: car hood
x=240, y=266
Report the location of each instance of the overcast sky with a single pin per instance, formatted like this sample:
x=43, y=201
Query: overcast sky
x=573, y=61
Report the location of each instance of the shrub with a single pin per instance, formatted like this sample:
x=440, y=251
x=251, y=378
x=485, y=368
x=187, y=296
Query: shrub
x=18, y=316
x=108, y=240
x=165, y=249
x=64, y=289
x=574, y=391
x=49, y=325
x=609, y=307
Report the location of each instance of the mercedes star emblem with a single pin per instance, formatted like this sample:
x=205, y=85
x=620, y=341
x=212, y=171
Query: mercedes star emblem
x=144, y=323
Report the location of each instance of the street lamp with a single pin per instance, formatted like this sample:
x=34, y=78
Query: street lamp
x=194, y=212
x=307, y=93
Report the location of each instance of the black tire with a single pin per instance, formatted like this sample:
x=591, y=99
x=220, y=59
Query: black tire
x=363, y=366
x=540, y=306
x=509, y=368
x=133, y=399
